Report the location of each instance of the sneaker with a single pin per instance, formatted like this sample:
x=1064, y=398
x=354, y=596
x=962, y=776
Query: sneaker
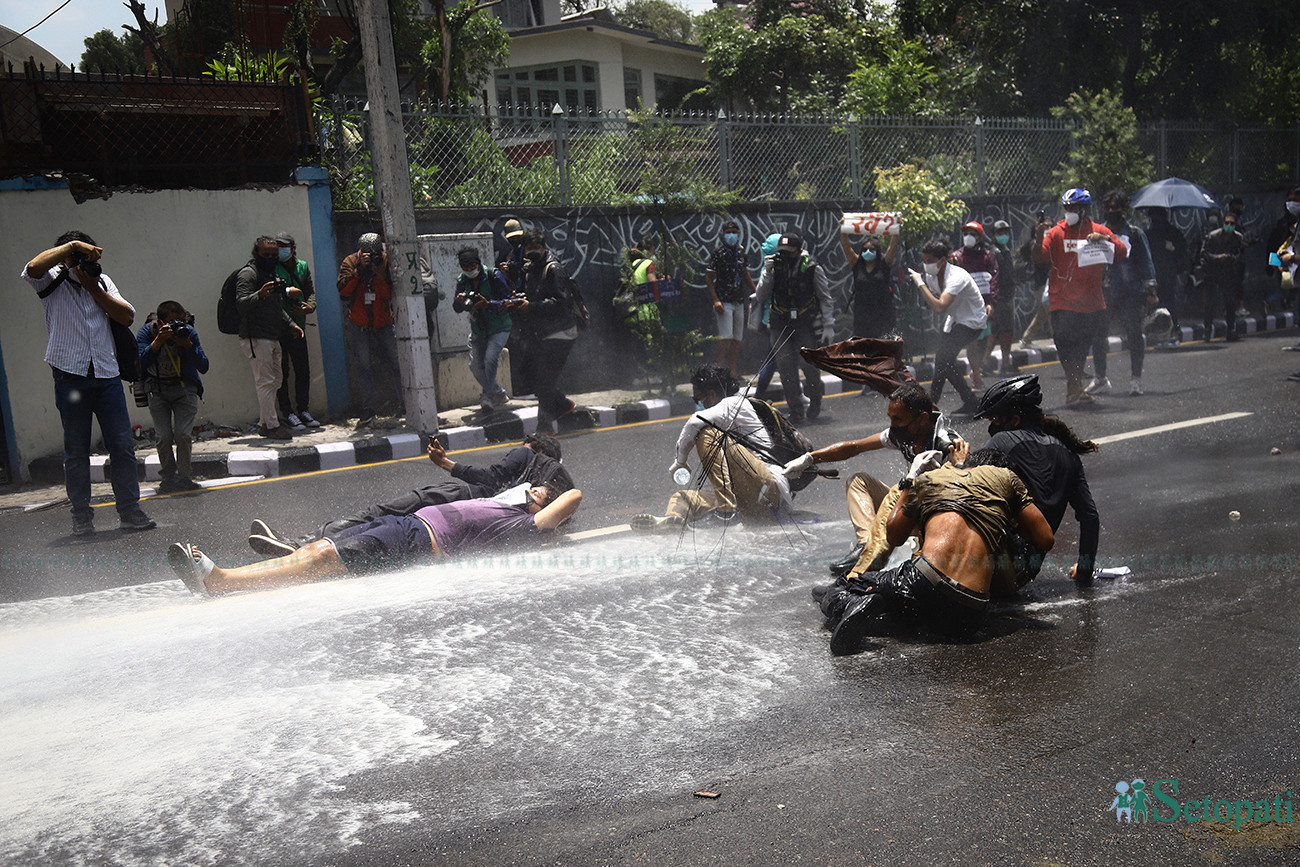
x=186, y=485
x=83, y=526
x=500, y=399
x=261, y=528
x=134, y=520
x=1080, y=401
x=655, y=524
x=853, y=625
x=1295, y=348
x=169, y=486
x=279, y=433
x=295, y=423
x=1135, y=386
x=572, y=406
x=1295, y=377
x=714, y=519
x=1099, y=385
x=306, y=419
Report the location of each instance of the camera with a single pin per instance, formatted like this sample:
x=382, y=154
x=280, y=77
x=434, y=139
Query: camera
x=281, y=285
x=93, y=269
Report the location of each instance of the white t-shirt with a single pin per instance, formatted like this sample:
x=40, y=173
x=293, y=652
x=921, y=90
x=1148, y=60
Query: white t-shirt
x=968, y=307
x=735, y=414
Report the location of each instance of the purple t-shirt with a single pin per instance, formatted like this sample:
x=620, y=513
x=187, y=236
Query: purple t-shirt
x=471, y=525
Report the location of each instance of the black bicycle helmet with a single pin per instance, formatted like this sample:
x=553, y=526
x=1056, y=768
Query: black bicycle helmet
x=1010, y=396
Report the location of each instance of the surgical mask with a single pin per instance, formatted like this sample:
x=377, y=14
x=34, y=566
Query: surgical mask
x=1002, y=239
x=472, y=274
x=284, y=253
x=1293, y=208
x=968, y=241
x=266, y=263
x=516, y=496
x=1071, y=218
x=731, y=239
x=868, y=255
x=1114, y=218
x=932, y=268
x=699, y=406
x=1229, y=227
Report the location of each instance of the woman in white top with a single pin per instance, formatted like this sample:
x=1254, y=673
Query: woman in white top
x=952, y=293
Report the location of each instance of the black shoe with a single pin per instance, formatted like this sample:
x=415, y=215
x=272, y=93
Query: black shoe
x=135, y=520
x=1295, y=348
x=186, y=485
x=814, y=405
x=83, y=526
x=845, y=564
x=269, y=547
x=169, y=486
x=853, y=626
x=279, y=433
x=1295, y=377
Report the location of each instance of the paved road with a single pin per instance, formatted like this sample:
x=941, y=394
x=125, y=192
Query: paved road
x=563, y=706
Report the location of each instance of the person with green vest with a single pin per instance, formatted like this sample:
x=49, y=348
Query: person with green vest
x=645, y=280
x=293, y=345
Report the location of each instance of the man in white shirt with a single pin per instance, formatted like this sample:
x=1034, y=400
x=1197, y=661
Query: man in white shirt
x=952, y=293
x=79, y=300
x=734, y=448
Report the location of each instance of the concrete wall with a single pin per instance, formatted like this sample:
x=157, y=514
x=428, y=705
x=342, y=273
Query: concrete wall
x=173, y=244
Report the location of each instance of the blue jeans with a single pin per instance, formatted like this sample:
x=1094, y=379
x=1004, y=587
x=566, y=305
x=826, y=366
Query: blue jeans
x=369, y=345
x=79, y=399
x=484, y=355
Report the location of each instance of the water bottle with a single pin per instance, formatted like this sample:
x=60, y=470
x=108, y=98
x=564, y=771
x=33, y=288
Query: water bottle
x=682, y=476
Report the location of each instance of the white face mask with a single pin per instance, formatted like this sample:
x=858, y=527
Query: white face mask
x=932, y=268
x=471, y=275
x=968, y=241
x=1071, y=218
x=1293, y=208
x=516, y=496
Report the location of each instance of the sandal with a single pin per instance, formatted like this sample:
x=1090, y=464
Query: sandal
x=192, y=566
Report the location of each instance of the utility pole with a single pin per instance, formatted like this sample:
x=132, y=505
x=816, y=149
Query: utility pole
x=397, y=212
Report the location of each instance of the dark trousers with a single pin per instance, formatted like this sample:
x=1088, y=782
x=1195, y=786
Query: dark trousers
x=787, y=341
x=1127, y=309
x=81, y=399
x=293, y=352
x=450, y=491
x=1224, y=293
x=546, y=360
x=945, y=363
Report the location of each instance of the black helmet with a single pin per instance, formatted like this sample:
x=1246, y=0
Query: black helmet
x=1009, y=396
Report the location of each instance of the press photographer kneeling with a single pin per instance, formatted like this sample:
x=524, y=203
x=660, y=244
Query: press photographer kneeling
x=171, y=359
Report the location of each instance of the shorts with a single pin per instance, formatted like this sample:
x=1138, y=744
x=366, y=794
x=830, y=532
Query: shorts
x=388, y=542
x=731, y=321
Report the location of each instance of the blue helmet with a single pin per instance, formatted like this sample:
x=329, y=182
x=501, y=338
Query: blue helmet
x=1076, y=196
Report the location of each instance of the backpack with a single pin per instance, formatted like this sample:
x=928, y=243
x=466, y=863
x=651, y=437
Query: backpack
x=580, y=312
x=788, y=442
x=125, y=347
x=227, y=313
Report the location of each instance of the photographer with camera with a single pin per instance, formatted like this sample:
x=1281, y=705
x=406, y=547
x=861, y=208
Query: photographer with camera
x=364, y=287
x=79, y=301
x=171, y=359
x=487, y=297
x=293, y=350
x=260, y=297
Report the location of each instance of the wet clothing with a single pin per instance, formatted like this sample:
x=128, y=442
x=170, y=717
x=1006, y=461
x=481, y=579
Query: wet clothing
x=988, y=498
x=1222, y=276
x=1004, y=304
x=911, y=594
x=1126, y=296
x=801, y=313
x=472, y=525
x=873, y=299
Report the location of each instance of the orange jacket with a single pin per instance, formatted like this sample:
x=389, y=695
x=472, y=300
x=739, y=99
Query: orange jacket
x=355, y=282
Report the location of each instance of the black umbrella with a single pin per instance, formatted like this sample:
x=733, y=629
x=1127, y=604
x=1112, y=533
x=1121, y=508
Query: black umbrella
x=1173, y=193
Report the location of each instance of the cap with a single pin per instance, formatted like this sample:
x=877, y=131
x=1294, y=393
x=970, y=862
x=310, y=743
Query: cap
x=370, y=243
x=513, y=230
x=973, y=226
x=731, y=224
x=790, y=243
x=284, y=239
x=1001, y=224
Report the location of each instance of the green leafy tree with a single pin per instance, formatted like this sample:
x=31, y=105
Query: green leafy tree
x=663, y=18
x=920, y=200
x=478, y=43
x=236, y=65
x=1106, y=154
x=106, y=52
x=903, y=82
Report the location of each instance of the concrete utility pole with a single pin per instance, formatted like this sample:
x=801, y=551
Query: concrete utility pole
x=397, y=211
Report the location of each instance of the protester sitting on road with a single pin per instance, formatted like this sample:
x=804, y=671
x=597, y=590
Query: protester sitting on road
x=915, y=425
x=1044, y=452
x=389, y=542
x=734, y=448
x=963, y=515
x=535, y=462
x=171, y=361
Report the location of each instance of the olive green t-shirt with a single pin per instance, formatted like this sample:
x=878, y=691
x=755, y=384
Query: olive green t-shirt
x=989, y=498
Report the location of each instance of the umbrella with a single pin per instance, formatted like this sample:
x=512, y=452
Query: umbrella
x=876, y=363
x=1173, y=193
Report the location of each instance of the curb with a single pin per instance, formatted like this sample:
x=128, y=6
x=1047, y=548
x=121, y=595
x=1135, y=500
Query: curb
x=513, y=425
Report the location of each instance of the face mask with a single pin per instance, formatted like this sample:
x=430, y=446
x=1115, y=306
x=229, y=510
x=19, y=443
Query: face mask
x=1002, y=239
x=731, y=239
x=284, y=253
x=1293, y=208
x=1229, y=227
x=868, y=255
x=1114, y=218
x=932, y=268
x=699, y=406
x=968, y=241
x=266, y=263
x=1071, y=218
x=472, y=275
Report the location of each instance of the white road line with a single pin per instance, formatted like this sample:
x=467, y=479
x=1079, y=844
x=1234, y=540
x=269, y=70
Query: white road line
x=600, y=531
x=1164, y=428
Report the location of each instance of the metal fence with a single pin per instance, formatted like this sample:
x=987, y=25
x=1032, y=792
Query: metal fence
x=151, y=131
x=531, y=156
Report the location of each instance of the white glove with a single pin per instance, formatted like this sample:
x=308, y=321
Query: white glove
x=797, y=466
x=828, y=335
x=924, y=462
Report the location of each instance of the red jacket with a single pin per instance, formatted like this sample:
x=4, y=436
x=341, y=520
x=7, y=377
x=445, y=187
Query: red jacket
x=1070, y=287
x=354, y=283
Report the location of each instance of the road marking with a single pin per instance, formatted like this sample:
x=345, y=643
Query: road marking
x=600, y=531
x=1165, y=428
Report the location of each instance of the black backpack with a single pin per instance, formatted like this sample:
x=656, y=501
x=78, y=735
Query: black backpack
x=788, y=442
x=580, y=312
x=227, y=312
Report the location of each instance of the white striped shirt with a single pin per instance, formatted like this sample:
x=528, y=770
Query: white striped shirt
x=78, y=327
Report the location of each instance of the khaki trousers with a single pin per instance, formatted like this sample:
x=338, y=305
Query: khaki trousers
x=740, y=482
x=870, y=502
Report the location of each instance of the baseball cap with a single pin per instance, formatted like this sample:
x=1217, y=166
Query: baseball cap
x=284, y=239
x=513, y=230
x=790, y=243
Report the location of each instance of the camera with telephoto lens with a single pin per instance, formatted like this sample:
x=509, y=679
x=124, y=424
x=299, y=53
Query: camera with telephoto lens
x=93, y=269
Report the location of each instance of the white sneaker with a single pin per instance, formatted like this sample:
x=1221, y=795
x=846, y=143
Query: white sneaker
x=307, y=419
x=294, y=422
x=1099, y=386
x=1135, y=386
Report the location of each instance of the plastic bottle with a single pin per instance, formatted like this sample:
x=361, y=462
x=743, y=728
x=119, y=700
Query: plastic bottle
x=682, y=476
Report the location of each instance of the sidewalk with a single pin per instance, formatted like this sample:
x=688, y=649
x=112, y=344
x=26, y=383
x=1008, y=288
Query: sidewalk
x=247, y=456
